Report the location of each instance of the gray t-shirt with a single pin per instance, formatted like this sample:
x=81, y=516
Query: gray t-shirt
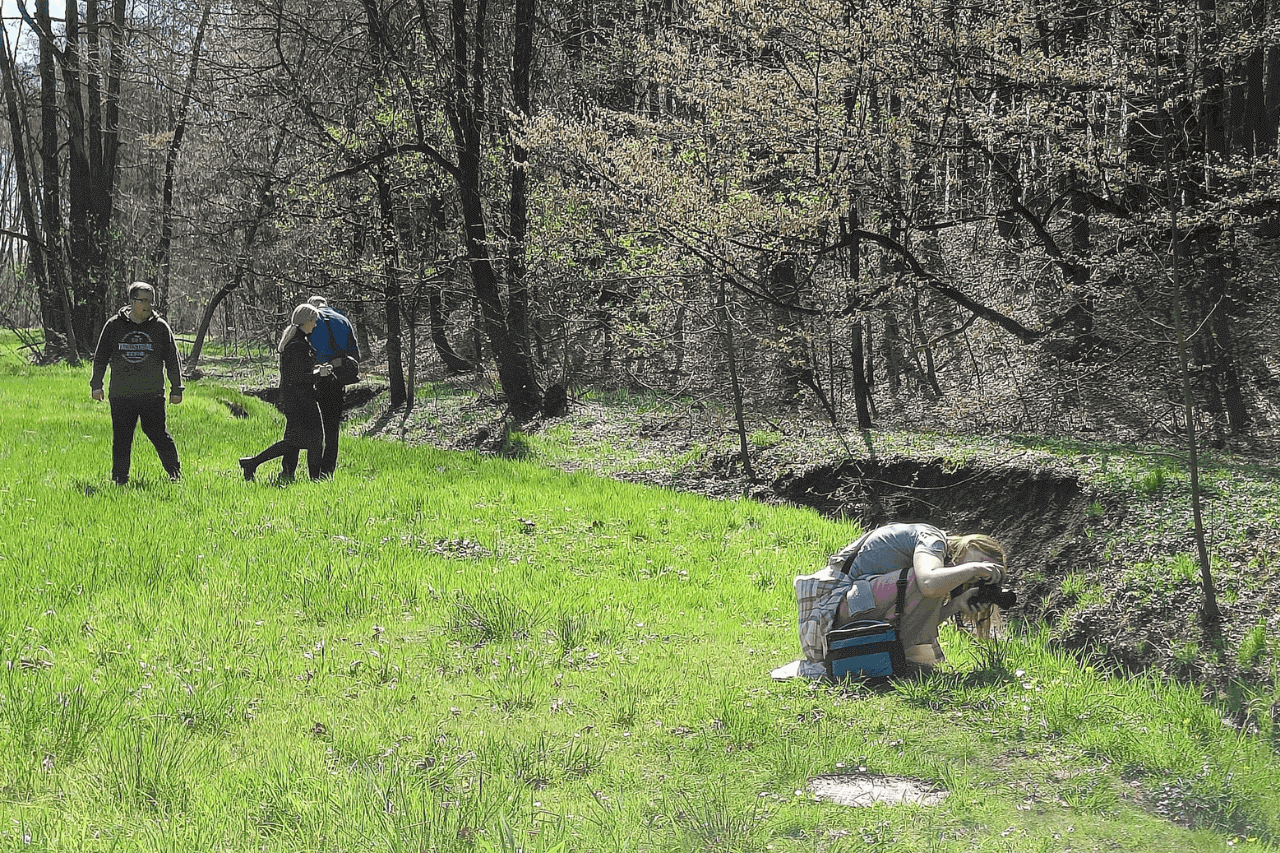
x=885, y=553
x=892, y=548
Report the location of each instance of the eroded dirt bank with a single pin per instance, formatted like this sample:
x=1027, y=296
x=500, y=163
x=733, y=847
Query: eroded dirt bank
x=1039, y=516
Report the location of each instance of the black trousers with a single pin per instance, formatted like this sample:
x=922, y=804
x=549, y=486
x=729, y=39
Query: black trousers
x=288, y=453
x=331, y=396
x=126, y=414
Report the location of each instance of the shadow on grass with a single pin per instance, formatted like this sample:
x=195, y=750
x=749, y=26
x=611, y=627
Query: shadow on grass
x=90, y=488
x=379, y=425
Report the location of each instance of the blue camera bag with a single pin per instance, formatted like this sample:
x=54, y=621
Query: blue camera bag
x=868, y=649
x=865, y=650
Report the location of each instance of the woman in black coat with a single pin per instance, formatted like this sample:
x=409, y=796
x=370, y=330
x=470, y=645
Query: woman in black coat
x=303, y=429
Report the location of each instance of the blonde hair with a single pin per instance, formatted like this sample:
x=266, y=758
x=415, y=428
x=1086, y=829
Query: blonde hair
x=988, y=545
x=986, y=620
x=302, y=315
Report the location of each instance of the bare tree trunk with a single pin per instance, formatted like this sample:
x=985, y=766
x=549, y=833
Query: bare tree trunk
x=1233, y=395
x=60, y=304
x=1269, y=108
x=37, y=261
x=744, y=446
x=436, y=316
x=92, y=114
x=453, y=362
x=79, y=188
x=246, y=249
x=356, y=249
x=861, y=391
x=892, y=348
x=932, y=390
x=399, y=392
x=503, y=324
x=206, y=318
x=411, y=385
x=162, y=257
x=1210, y=615
x=792, y=359
x=678, y=341
x=518, y=295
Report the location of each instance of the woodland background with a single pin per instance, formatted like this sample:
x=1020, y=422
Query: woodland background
x=1006, y=216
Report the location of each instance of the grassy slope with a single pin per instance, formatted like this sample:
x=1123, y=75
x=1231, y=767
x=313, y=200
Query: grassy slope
x=1116, y=571
x=441, y=651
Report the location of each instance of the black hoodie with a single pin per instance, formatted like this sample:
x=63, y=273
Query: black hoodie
x=139, y=354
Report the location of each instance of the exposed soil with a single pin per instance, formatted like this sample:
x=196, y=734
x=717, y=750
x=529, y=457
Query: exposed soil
x=1038, y=515
x=865, y=789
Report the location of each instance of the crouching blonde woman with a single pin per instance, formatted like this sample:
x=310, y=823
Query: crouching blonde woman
x=304, y=428
x=945, y=573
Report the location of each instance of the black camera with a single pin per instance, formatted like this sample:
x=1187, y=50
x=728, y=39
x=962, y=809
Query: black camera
x=989, y=593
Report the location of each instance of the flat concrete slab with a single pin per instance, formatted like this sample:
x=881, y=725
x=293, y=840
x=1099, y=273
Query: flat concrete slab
x=866, y=789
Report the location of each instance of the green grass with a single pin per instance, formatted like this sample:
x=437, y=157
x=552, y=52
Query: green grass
x=764, y=438
x=1254, y=646
x=443, y=652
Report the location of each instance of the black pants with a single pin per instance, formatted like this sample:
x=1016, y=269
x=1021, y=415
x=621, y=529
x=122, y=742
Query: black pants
x=288, y=453
x=126, y=414
x=331, y=396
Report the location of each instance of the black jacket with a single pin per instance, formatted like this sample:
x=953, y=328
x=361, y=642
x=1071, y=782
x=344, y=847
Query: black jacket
x=297, y=379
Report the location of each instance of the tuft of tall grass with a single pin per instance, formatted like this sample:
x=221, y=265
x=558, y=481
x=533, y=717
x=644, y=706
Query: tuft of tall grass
x=1254, y=647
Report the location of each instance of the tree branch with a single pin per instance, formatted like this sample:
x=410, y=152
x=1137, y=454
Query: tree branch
x=956, y=295
x=382, y=156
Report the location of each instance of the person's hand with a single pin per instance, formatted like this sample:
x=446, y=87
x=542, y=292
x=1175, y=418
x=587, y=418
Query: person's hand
x=97, y=394
x=988, y=572
x=175, y=398
x=966, y=602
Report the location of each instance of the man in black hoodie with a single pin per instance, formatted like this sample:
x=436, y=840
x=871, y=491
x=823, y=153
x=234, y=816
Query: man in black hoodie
x=140, y=348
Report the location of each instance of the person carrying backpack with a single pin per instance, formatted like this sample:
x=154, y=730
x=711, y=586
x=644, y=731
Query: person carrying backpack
x=334, y=340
